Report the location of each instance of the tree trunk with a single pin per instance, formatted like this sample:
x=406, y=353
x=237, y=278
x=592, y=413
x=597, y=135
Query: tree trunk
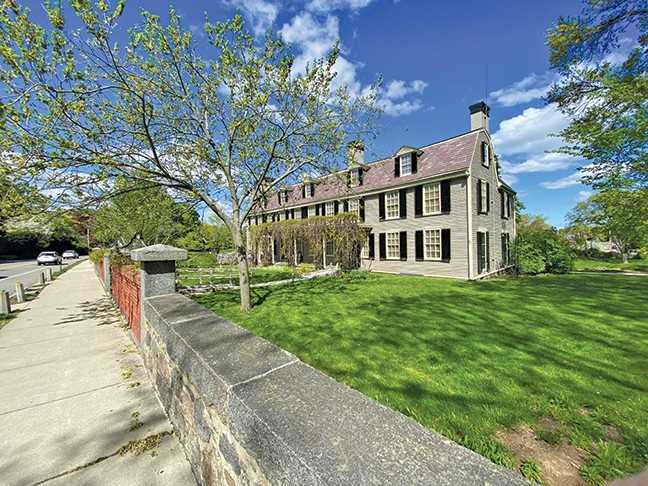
x=624, y=255
x=244, y=274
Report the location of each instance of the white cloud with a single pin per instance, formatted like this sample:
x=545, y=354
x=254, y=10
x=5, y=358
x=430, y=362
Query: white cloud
x=544, y=162
x=584, y=195
x=529, y=132
x=569, y=181
x=510, y=179
x=261, y=13
x=532, y=87
x=396, y=90
x=326, y=6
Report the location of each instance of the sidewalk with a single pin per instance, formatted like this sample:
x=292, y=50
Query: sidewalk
x=76, y=405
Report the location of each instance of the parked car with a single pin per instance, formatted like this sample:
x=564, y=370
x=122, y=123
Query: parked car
x=70, y=254
x=47, y=257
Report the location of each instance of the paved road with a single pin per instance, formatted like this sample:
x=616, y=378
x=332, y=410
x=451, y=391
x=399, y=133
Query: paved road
x=24, y=271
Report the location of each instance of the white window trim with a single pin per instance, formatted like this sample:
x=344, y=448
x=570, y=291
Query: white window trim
x=308, y=190
x=487, y=155
x=356, y=202
x=396, y=235
x=397, y=206
x=311, y=211
x=425, y=245
x=425, y=187
x=400, y=161
x=330, y=205
x=485, y=203
x=354, y=177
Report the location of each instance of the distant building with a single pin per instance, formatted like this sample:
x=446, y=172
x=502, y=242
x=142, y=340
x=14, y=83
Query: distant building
x=438, y=210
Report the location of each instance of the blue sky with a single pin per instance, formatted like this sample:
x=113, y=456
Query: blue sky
x=436, y=58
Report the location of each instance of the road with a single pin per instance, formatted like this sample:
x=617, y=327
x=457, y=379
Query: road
x=24, y=271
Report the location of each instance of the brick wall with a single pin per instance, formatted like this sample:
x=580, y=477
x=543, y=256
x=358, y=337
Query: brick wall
x=125, y=283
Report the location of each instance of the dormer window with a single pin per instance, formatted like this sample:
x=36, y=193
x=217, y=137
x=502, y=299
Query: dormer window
x=354, y=177
x=283, y=196
x=308, y=190
x=405, y=164
x=406, y=161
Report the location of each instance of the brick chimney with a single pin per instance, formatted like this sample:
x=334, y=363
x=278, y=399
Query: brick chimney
x=479, y=116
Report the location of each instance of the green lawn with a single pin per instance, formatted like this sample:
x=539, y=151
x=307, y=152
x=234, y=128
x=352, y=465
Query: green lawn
x=470, y=358
x=610, y=264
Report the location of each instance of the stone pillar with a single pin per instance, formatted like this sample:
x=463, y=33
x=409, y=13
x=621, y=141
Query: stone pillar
x=41, y=278
x=157, y=272
x=20, y=292
x=106, y=272
x=5, y=306
x=49, y=276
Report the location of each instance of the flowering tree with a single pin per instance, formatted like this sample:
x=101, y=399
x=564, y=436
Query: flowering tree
x=223, y=128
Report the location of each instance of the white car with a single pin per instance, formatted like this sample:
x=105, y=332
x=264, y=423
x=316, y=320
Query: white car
x=70, y=254
x=47, y=257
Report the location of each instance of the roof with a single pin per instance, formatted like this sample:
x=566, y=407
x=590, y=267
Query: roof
x=445, y=157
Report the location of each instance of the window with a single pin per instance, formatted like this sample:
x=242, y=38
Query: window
x=483, y=250
x=507, y=203
x=432, y=244
x=354, y=178
x=506, y=248
x=391, y=204
x=354, y=206
x=330, y=248
x=432, y=198
x=393, y=246
x=311, y=211
x=308, y=190
x=483, y=198
x=330, y=208
x=283, y=196
x=405, y=164
x=485, y=154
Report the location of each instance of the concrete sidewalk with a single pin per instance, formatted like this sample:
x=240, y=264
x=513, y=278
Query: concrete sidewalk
x=76, y=405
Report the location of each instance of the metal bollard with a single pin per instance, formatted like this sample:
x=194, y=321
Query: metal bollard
x=20, y=292
x=5, y=307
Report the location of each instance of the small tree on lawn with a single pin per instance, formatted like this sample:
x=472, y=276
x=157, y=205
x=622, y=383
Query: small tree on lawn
x=222, y=124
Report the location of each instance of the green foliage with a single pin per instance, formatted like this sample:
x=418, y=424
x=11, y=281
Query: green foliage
x=610, y=461
x=486, y=356
x=606, y=100
x=541, y=249
x=530, y=470
x=143, y=216
x=222, y=126
x=343, y=229
x=96, y=256
x=206, y=237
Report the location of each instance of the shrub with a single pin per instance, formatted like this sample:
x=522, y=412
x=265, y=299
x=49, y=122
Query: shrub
x=542, y=250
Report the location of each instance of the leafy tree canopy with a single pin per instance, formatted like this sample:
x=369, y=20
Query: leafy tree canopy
x=604, y=90
x=223, y=124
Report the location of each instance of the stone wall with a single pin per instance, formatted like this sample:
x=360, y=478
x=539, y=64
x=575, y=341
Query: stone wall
x=248, y=412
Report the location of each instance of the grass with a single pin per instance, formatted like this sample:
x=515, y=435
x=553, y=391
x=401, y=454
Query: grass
x=470, y=358
x=226, y=274
x=610, y=264
x=5, y=318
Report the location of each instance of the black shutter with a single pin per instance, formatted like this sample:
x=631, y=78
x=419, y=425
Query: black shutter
x=504, y=256
x=502, y=204
x=382, y=246
x=479, y=197
x=418, y=201
x=418, y=246
x=445, y=245
x=487, y=208
x=381, y=206
x=397, y=167
x=414, y=162
x=362, y=209
x=312, y=190
x=337, y=207
x=279, y=197
x=348, y=178
x=483, y=151
x=304, y=212
x=487, y=251
x=359, y=177
x=403, y=245
x=445, y=196
x=264, y=218
x=372, y=246
x=402, y=203
x=287, y=214
x=292, y=214
x=345, y=206
x=304, y=191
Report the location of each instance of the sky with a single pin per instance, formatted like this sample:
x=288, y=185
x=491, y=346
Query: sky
x=436, y=58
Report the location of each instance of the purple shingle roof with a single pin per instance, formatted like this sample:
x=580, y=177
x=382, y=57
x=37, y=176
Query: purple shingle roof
x=446, y=157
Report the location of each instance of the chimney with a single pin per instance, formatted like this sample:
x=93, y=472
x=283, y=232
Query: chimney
x=355, y=152
x=479, y=116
